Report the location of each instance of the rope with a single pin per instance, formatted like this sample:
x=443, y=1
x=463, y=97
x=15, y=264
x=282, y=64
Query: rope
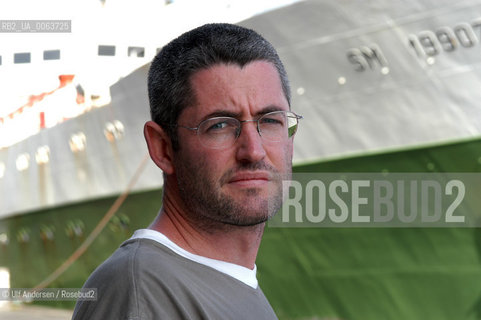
x=96, y=231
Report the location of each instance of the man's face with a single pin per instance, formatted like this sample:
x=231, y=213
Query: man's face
x=241, y=184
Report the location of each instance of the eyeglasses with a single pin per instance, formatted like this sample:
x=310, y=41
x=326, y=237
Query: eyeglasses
x=222, y=132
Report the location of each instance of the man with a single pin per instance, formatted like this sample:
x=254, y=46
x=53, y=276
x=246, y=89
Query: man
x=222, y=133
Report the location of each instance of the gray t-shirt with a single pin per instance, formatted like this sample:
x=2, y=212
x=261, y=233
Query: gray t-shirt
x=144, y=279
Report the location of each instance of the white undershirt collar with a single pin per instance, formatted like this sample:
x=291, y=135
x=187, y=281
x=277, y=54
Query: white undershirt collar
x=238, y=272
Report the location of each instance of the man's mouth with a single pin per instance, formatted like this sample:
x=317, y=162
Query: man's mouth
x=250, y=178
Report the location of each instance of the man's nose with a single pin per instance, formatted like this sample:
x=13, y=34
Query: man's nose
x=249, y=143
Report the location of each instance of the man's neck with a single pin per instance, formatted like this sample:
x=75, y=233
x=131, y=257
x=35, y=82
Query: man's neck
x=234, y=244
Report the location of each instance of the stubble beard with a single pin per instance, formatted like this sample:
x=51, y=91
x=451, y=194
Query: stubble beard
x=210, y=208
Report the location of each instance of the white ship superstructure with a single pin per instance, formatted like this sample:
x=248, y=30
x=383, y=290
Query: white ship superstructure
x=48, y=78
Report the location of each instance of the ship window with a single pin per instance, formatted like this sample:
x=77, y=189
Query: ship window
x=77, y=142
x=3, y=241
x=23, y=162
x=114, y=130
x=136, y=52
x=106, y=51
x=23, y=57
x=51, y=55
x=42, y=156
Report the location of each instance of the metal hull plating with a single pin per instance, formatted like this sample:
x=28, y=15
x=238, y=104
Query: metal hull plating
x=368, y=77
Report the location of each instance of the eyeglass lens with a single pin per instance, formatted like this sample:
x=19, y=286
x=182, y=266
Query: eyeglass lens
x=223, y=131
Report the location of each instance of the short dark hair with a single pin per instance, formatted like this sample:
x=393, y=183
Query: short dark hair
x=169, y=75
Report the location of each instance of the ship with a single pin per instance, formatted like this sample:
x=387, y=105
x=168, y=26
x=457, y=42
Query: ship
x=384, y=87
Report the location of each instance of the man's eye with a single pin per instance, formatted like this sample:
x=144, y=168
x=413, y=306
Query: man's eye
x=274, y=120
x=218, y=126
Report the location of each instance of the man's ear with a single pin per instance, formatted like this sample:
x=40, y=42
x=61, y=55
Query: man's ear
x=160, y=146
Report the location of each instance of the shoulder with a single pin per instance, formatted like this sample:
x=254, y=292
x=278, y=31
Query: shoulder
x=117, y=282
x=144, y=279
